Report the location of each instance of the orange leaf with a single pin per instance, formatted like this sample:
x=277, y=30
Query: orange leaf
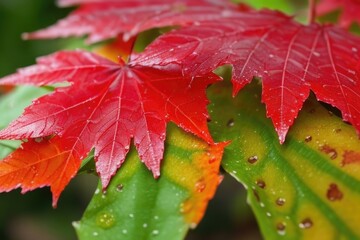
x=38, y=163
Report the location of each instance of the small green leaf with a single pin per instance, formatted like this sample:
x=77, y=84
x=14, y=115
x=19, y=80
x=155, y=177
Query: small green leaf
x=136, y=206
x=307, y=188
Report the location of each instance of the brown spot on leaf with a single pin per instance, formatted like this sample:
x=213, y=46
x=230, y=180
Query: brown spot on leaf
x=256, y=194
x=252, y=159
x=350, y=157
x=337, y=130
x=333, y=193
x=261, y=183
x=331, y=152
x=308, y=138
x=306, y=223
x=280, y=201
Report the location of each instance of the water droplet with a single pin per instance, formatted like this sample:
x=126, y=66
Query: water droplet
x=145, y=225
x=230, y=123
x=260, y=183
x=308, y=138
x=186, y=206
x=212, y=160
x=316, y=54
x=97, y=191
x=95, y=234
x=124, y=231
x=280, y=201
x=200, y=185
x=252, y=159
x=105, y=220
x=156, y=217
x=334, y=193
x=271, y=55
x=306, y=223
x=281, y=227
x=351, y=71
x=155, y=232
x=131, y=215
x=268, y=214
x=119, y=187
x=354, y=49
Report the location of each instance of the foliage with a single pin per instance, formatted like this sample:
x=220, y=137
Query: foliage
x=104, y=102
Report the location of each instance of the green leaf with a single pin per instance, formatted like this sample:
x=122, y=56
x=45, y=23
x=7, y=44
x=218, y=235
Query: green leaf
x=11, y=106
x=307, y=188
x=137, y=206
x=281, y=5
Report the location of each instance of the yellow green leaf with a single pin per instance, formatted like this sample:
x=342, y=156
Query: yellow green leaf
x=307, y=188
x=137, y=206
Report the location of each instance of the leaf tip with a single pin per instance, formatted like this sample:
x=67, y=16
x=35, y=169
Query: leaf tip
x=282, y=134
x=156, y=173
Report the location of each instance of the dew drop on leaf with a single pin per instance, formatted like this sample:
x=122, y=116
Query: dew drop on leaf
x=105, y=220
x=281, y=228
x=306, y=223
x=230, y=123
x=200, y=185
x=186, y=206
x=261, y=183
x=280, y=201
x=308, y=138
x=252, y=159
x=119, y=187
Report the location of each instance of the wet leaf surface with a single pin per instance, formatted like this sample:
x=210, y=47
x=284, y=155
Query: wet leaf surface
x=136, y=206
x=307, y=188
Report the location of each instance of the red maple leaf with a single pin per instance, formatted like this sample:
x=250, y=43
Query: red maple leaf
x=290, y=58
x=103, y=19
x=350, y=10
x=106, y=105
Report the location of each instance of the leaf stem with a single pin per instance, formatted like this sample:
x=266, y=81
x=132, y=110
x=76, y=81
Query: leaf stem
x=312, y=11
